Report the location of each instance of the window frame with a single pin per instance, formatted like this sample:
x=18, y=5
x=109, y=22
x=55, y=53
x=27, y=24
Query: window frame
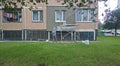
x=88, y=15
x=63, y=19
x=19, y=20
x=39, y=13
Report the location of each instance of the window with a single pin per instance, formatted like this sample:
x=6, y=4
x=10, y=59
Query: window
x=91, y=15
x=85, y=15
x=12, y=35
x=85, y=35
x=37, y=16
x=60, y=16
x=12, y=16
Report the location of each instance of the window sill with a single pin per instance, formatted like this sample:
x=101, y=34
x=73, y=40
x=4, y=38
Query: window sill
x=60, y=21
x=37, y=21
x=11, y=22
x=84, y=21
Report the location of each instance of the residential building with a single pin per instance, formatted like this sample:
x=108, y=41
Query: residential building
x=38, y=24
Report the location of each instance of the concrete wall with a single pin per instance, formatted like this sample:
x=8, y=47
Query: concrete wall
x=69, y=15
x=70, y=19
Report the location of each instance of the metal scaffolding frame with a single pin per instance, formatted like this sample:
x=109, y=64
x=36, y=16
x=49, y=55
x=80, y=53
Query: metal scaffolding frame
x=70, y=28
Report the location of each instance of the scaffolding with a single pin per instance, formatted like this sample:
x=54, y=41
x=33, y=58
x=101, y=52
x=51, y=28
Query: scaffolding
x=69, y=29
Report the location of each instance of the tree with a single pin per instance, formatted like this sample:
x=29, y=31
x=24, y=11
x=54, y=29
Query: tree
x=113, y=20
x=7, y=4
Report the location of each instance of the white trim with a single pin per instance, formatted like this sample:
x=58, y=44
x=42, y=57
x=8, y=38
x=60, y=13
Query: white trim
x=39, y=14
x=48, y=35
x=62, y=19
x=83, y=21
x=86, y=30
x=94, y=34
x=88, y=10
x=59, y=21
x=22, y=35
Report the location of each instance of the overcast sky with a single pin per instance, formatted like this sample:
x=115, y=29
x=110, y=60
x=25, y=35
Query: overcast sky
x=112, y=4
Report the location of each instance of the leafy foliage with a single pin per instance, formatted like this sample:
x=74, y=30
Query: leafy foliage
x=70, y=3
x=78, y=3
x=113, y=20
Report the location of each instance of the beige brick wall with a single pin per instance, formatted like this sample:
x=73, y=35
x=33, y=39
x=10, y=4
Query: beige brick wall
x=26, y=22
x=33, y=25
x=27, y=18
x=87, y=25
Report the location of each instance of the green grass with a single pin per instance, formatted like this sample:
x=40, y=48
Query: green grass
x=104, y=52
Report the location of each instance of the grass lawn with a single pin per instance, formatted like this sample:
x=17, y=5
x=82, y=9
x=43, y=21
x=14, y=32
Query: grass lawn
x=104, y=52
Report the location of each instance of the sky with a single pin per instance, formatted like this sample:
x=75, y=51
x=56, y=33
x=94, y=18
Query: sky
x=112, y=4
